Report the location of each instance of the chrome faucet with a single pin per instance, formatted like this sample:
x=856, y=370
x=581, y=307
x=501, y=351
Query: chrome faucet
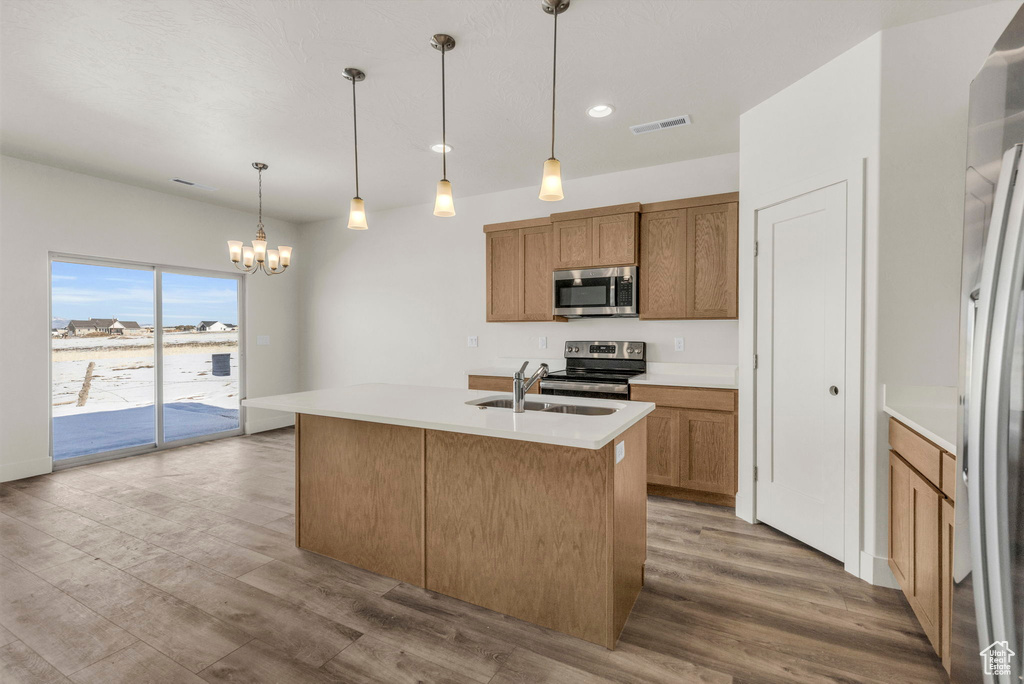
x=520, y=385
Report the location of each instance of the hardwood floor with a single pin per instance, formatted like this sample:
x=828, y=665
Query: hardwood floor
x=181, y=566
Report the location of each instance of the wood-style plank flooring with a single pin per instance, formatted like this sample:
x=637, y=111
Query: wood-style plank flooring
x=181, y=567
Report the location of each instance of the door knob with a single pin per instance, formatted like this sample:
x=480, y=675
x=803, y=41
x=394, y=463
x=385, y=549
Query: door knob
x=833, y=390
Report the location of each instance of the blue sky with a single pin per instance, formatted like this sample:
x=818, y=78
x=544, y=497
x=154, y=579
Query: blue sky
x=82, y=291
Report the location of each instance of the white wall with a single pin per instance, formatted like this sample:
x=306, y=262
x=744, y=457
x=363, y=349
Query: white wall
x=899, y=101
x=43, y=210
x=397, y=302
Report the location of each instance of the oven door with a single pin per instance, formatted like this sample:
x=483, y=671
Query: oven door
x=592, y=390
x=595, y=292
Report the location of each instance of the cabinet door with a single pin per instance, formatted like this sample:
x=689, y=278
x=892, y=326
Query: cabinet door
x=663, y=446
x=707, y=451
x=947, y=582
x=711, y=255
x=503, y=275
x=573, y=244
x=663, y=264
x=615, y=239
x=535, y=289
x=915, y=543
x=901, y=535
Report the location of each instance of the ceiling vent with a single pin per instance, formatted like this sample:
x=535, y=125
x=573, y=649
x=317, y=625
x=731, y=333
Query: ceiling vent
x=191, y=184
x=683, y=120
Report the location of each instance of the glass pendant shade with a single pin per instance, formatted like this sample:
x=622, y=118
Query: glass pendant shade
x=551, y=184
x=235, y=250
x=273, y=259
x=444, y=205
x=260, y=248
x=286, y=255
x=357, y=214
x=248, y=256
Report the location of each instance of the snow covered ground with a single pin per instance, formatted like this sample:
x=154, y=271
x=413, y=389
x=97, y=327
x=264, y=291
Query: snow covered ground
x=122, y=385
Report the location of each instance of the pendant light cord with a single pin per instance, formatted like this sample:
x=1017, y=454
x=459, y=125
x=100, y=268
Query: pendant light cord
x=444, y=124
x=554, y=73
x=355, y=135
x=261, y=196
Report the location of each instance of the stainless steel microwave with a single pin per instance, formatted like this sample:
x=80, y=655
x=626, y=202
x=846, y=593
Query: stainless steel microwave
x=609, y=292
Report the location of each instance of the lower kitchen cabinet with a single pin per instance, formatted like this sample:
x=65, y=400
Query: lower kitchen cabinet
x=921, y=532
x=496, y=383
x=691, y=442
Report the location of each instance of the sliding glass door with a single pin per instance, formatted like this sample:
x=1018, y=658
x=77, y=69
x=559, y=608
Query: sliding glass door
x=142, y=357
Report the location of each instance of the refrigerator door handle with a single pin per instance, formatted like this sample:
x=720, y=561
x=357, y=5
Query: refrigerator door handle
x=979, y=400
x=996, y=427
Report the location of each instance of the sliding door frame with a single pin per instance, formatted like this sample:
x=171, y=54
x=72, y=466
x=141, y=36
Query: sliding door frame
x=159, y=444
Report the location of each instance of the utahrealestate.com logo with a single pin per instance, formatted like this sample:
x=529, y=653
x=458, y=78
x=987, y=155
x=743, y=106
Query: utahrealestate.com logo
x=997, y=658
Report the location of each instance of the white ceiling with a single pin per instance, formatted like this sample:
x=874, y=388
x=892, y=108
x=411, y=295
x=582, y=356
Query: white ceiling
x=140, y=92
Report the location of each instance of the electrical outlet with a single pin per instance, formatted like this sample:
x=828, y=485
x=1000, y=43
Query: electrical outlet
x=542, y=343
x=263, y=340
x=472, y=341
x=679, y=344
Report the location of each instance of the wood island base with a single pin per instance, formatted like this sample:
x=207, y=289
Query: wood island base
x=553, y=535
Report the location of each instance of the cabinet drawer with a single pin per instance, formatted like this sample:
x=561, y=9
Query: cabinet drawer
x=916, y=450
x=496, y=383
x=948, y=475
x=685, y=397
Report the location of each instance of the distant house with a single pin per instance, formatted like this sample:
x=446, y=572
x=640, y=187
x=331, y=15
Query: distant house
x=82, y=327
x=125, y=328
x=213, y=326
x=106, y=326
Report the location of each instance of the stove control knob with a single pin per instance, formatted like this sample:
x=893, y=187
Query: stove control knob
x=629, y=350
x=575, y=349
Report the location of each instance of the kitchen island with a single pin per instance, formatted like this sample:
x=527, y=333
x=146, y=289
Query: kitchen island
x=540, y=515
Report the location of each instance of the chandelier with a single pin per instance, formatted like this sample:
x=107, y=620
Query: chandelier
x=257, y=257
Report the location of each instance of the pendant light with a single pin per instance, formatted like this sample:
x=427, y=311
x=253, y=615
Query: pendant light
x=551, y=183
x=257, y=257
x=444, y=205
x=356, y=210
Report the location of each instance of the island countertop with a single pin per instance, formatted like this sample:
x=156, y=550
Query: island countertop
x=445, y=409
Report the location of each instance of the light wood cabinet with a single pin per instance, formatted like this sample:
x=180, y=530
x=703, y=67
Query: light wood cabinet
x=946, y=580
x=664, y=263
x=712, y=252
x=691, y=442
x=519, y=269
x=707, y=451
x=503, y=275
x=663, y=447
x=497, y=383
x=615, y=239
x=688, y=262
x=573, y=244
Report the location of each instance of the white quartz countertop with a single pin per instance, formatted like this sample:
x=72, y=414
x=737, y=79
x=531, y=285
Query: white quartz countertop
x=445, y=408
x=929, y=411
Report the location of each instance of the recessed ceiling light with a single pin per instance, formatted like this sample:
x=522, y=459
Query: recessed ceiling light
x=439, y=148
x=600, y=111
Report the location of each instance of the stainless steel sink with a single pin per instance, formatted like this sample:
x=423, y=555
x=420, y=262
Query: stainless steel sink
x=545, y=407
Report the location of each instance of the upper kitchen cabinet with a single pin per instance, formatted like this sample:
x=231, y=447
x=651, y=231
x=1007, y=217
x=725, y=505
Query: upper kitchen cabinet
x=519, y=269
x=606, y=236
x=688, y=258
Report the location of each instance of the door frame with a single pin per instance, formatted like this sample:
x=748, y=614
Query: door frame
x=158, y=270
x=853, y=174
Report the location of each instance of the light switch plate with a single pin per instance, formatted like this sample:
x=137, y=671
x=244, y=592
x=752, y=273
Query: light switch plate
x=620, y=452
x=679, y=344
x=263, y=340
x=542, y=343
x=472, y=341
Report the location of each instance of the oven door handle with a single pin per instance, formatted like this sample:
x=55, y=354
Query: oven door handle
x=584, y=386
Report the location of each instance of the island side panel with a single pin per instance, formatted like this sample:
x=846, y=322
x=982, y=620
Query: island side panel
x=521, y=528
x=629, y=547
x=360, y=489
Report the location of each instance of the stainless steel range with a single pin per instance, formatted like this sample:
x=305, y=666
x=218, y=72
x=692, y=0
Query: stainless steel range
x=600, y=370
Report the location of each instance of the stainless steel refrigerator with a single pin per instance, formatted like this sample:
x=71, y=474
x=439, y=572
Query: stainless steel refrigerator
x=988, y=538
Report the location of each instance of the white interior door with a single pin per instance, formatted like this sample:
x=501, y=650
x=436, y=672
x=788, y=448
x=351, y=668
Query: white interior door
x=801, y=348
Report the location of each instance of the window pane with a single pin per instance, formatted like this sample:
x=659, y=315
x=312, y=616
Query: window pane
x=200, y=355
x=103, y=374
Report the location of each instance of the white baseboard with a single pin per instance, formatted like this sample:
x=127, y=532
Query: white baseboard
x=19, y=470
x=252, y=426
x=875, y=570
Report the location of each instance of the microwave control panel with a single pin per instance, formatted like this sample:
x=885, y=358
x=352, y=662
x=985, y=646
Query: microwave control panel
x=624, y=291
